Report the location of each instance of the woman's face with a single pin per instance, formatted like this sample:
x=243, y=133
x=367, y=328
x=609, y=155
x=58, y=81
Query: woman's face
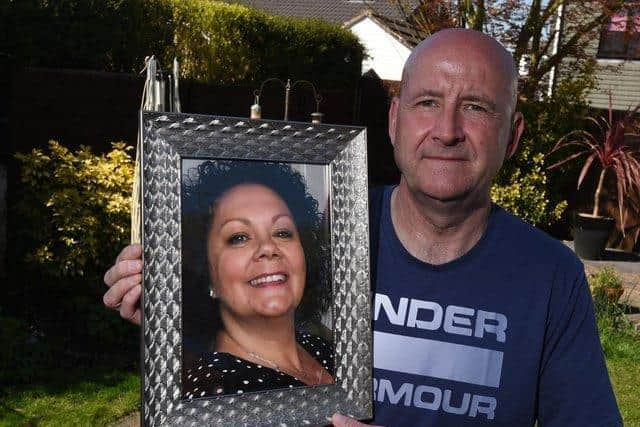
x=255, y=256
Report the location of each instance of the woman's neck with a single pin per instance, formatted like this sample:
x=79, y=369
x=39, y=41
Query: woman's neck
x=272, y=339
x=272, y=343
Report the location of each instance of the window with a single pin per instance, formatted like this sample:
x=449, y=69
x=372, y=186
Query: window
x=621, y=37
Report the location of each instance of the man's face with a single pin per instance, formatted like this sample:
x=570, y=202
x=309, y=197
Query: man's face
x=452, y=125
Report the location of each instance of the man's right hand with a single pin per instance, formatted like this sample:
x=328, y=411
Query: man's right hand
x=124, y=280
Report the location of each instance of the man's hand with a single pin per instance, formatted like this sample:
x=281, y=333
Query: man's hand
x=124, y=281
x=339, y=420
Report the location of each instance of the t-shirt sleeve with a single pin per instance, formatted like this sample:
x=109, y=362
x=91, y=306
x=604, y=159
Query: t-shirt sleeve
x=574, y=387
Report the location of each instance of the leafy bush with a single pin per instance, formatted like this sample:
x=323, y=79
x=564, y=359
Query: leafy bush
x=216, y=42
x=223, y=43
x=75, y=208
x=524, y=185
x=109, y=35
x=606, y=277
x=606, y=289
x=525, y=194
x=68, y=220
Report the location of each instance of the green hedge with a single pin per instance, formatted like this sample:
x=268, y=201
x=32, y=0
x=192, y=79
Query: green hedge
x=216, y=42
x=230, y=43
x=109, y=35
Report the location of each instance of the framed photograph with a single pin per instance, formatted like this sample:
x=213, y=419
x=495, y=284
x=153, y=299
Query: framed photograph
x=256, y=299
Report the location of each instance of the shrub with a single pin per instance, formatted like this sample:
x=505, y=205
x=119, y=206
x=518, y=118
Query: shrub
x=215, y=42
x=109, y=35
x=224, y=43
x=75, y=208
x=524, y=185
x=524, y=192
x=606, y=289
x=69, y=220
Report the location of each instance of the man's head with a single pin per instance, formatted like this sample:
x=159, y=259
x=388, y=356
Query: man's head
x=454, y=121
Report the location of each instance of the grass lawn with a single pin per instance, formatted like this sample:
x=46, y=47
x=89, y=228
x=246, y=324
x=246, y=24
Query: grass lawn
x=89, y=398
x=622, y=349
x=92, y=400
x=625, y=377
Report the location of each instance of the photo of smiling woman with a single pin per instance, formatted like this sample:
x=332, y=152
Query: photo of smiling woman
x=255, y=277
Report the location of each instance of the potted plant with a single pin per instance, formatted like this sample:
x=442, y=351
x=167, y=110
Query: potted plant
x=606, y=285
x=615, y=149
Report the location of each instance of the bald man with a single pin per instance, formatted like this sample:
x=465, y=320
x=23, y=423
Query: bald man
x=480, y=319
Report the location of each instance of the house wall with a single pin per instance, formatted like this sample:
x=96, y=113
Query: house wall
x=622, y=78
x=386, y=54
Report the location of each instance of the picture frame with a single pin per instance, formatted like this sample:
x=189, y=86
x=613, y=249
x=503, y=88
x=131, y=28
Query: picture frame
x=167, y=141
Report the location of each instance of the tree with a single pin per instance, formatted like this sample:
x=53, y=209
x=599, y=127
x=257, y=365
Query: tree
x=542, y=34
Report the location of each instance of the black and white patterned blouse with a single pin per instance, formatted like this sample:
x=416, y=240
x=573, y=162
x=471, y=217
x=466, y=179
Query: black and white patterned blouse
x=217, y=373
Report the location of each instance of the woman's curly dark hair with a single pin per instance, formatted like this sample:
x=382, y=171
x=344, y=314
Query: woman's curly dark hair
x=201, y=188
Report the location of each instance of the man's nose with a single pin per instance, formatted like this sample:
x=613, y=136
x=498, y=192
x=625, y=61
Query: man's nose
x=267, y=248
x=448, y=130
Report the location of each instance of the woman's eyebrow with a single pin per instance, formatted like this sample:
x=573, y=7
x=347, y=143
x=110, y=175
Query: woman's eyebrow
x=280, y=215
x=242, y=220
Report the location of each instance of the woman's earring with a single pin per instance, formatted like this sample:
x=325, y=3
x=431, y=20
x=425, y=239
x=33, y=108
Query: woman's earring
x=212, y=294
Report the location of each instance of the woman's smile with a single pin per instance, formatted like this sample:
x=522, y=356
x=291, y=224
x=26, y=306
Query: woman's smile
x=268, y=279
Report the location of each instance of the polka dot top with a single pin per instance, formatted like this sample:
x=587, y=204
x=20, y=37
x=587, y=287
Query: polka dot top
x=220, y=373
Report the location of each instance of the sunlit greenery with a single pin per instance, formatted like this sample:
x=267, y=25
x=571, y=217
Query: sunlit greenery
x=74, y=207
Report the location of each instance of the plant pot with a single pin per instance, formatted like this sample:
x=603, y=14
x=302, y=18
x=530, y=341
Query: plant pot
x=590, y=235
x=610, y=293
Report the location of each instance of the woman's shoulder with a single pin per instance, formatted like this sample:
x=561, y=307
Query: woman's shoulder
x=320, y=348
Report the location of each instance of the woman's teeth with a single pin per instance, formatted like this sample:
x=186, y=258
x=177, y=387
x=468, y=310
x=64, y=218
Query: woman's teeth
x=268, y=279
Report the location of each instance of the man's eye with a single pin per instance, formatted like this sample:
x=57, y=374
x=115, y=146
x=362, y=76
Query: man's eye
x=284, y=233
x=474, y=107
x=427, y=103
x=237, y=239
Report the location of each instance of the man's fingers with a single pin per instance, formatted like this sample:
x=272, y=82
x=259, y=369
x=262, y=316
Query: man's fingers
x=114, y=297
x=122, y=270
x=340, y=420
x=133, y=251
x=130, y=309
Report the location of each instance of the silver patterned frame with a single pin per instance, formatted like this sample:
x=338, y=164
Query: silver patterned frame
x=166, y=139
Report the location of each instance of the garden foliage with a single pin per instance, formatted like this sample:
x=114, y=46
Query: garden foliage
x=68, y=220
x=215, y=42
x=75, y=206
x=524, y=186
x=617, y=334
x=109, y=35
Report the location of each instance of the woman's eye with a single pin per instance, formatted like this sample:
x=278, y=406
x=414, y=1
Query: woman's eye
x=284, y=234
x=237, y=239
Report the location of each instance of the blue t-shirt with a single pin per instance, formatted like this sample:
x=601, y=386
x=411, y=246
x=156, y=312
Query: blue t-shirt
x=501, y=336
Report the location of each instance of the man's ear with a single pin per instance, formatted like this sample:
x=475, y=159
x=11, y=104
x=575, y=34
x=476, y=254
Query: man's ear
x=393, y=116
x=517, y=127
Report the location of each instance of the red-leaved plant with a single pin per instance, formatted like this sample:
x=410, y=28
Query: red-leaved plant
x=616, y=148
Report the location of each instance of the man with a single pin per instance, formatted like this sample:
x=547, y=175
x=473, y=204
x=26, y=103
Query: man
x=480, y=319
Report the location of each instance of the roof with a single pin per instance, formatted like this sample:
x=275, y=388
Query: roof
x=400, y=29
x=335, y=11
